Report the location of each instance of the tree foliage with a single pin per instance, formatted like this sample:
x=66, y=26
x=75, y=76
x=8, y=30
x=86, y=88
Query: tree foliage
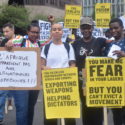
x=16, y=15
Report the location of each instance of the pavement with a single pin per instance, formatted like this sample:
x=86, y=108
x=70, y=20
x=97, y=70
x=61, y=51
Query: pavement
x=10, y=117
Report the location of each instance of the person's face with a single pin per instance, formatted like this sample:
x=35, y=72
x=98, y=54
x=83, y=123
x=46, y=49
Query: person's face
x=8, y=32
x=33, y=34
x=116, y=30
x=56, y=31
x=86, y=30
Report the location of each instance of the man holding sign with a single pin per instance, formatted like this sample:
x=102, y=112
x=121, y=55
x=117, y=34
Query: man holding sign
x=88, y=46
x=117, y=49
x=57, y=54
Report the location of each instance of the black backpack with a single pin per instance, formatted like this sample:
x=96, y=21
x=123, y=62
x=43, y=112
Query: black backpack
x=48, y=45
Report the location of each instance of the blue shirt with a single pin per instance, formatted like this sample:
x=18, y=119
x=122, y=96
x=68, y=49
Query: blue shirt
x=120, y=43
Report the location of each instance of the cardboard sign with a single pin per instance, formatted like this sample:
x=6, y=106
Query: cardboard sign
x=72, y=16
x=20, y=69
x=102, y=15
x=61, y=94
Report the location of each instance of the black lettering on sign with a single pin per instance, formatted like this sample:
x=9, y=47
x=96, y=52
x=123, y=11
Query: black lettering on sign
x=109, y=71
x=114, y=89
x=99, y=70
x=118, y=70
x=96, y=89
x=92, y=70
x=115, y=70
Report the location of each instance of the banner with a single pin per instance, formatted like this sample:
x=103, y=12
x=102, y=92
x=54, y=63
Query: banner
x=61, y=94
x=102, y=15
x=105, y=82
x=19, y=69
x=72, y=16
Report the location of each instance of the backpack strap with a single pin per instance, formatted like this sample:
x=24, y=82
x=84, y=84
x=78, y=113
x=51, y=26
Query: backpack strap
x=66, y=45
x=46, y=49
x=23, y=43
x=39, y=43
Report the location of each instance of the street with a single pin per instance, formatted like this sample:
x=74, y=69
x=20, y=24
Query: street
x=10, y=117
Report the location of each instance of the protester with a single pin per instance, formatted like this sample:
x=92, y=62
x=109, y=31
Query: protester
x=9, y=101
x=33, y=31
x=3, y=95
x=57, y=56
x=20, y=96
x=88, y=46
x=117, y=31
x=32, y=40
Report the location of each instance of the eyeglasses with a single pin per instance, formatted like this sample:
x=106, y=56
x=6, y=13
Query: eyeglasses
x=34, y=32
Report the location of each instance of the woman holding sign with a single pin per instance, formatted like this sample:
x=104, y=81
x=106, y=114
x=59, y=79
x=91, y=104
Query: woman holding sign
x=29, y=96
x=57, y=54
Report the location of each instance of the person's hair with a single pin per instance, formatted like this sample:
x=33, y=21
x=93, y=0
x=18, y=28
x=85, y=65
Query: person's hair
x=119, y=21
x=32, y=25
x=35, y=21
x=56, y=23
x=10, y=25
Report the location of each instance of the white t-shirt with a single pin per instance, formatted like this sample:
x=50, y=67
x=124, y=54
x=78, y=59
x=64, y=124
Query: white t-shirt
x=57, y=56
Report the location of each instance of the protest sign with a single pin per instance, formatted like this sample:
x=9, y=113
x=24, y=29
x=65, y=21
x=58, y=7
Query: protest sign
x=105, y=82
x=72, y=16
x=105, y=70
x=20, y=69
x=102, y=15
x=61, y=94
x=105, y=94
x=45, y=28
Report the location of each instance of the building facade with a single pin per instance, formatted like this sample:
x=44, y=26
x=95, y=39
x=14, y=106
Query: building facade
x=55, y=3
x=45, y=7
x=117, y=7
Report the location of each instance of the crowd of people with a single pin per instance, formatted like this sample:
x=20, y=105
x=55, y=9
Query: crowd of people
x=72, y=56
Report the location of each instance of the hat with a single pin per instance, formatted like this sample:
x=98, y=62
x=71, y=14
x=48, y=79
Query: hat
x=86, y=20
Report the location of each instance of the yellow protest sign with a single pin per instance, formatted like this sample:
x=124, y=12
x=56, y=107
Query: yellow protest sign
x=102, y=15
x=72, y=16
x=105, y=94
x=105, y=82
x=105, y=70
x=61, y=94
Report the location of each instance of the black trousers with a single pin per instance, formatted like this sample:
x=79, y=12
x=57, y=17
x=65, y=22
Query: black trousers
x=33, y=96
x=90, y=115
x=118, y=116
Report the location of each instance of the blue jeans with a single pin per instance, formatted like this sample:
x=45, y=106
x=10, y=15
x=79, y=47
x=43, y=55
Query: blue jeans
x=3, y=95
x=21, y=104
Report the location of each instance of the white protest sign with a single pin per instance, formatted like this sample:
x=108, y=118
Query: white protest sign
x=45, y=28
x=66, y=32
x=19, y=68
x=112, y=49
